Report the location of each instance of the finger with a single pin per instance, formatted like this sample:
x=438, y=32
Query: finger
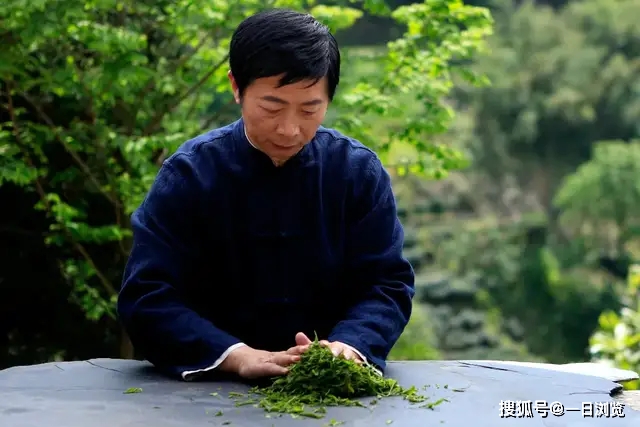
x=298, y=350
x=352, y=355
x=333, y=346
x=337, y=349
x=348, y=354
x=302, y=339
x=272, y=370
x=283, y=359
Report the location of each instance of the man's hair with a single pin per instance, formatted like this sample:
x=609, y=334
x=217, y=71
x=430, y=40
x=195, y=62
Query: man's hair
x=282, y=41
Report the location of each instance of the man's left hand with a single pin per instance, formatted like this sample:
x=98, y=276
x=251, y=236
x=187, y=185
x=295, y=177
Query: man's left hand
x=337, y=348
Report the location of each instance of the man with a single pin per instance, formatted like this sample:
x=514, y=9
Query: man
x=258, y=235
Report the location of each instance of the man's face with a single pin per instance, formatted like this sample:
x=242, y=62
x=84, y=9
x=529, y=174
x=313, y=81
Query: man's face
x=280, y=121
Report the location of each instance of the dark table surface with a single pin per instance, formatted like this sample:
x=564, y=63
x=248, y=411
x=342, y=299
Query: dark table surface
x=92, y=394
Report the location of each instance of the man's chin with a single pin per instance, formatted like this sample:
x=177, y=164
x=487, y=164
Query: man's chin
x=286, y=150
x=279, y=161
x=281, y=158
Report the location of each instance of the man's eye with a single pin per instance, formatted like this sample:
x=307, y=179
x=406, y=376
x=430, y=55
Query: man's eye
x=308, y=113
x=270, y=111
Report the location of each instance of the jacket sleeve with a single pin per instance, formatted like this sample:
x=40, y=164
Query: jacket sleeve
x=382, y=277
x=151, y=303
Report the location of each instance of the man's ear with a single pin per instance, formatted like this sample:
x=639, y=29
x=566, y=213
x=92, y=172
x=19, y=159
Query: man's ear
x=234, y=87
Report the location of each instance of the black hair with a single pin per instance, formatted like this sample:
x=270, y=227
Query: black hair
x=282, y=41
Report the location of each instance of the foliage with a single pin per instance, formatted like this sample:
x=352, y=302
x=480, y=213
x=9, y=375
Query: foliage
x=441, y=36
x=320, y=379
x=533, y=299
x=612, y=177
x=617, y=340
x=562, y=79
x=417, y=342
x=97, y=93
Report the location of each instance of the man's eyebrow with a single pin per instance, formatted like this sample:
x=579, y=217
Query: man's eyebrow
x=277, y=100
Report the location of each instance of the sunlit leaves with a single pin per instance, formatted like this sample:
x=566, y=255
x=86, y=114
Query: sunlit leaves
x=335, y=17
x=617, y=340
x=102, y=91
x=441, y=36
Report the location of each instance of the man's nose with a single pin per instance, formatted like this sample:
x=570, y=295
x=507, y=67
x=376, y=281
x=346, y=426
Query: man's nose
x=288, y=129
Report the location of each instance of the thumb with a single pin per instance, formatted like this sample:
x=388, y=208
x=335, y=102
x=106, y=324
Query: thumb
x=302, y=339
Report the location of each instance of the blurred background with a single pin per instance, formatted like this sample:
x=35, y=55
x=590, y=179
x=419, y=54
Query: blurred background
x=509, y=128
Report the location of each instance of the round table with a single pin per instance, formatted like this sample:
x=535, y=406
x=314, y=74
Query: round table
x=128, y=393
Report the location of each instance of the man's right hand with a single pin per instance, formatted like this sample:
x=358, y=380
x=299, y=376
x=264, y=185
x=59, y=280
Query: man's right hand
x=250, y=363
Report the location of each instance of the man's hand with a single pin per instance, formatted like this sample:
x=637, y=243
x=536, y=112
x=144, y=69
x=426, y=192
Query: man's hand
x=337, y=348
x=250, y=363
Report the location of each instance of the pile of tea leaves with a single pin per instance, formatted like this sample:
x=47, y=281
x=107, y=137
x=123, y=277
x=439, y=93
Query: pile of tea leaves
x=319, y=380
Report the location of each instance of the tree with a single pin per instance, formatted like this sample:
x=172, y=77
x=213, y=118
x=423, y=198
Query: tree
x=97, y=93
x=561, y=81
x=601, y=198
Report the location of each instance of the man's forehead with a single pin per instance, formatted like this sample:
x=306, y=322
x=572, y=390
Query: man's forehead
x=304, y=92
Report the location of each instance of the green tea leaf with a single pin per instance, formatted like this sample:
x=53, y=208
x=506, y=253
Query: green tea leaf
x=319, y=380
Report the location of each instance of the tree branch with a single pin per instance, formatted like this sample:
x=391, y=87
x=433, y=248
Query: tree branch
x=81, y=164
x=207, y=124
x=152, y=81
x=156, y=120
x=117, y=207
x=106, y=283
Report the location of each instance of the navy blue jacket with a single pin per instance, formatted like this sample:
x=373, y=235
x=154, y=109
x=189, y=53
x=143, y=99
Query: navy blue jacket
x=228, y=248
